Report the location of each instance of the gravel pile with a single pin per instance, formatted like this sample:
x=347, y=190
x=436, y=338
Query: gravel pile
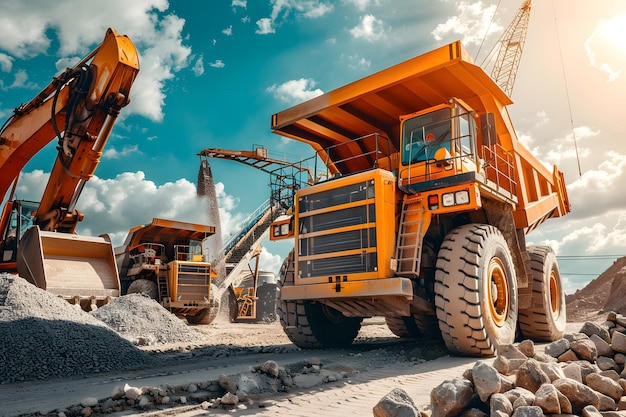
x=144, y=322
x=43, y=336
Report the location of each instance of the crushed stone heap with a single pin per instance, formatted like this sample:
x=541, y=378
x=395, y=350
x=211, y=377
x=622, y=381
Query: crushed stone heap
x=144, y=322
x=582, y=374
x=43, y=336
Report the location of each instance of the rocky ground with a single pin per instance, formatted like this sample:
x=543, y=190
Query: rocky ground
x=45, y=338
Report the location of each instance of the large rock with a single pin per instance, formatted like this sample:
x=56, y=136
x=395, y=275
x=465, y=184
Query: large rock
x=602, y=346
x=531, y=376
x=547, y=397
x=591, y=329
x=451, y=397
x=557, y=348
x=618, y=342
x=500, y=403
x=486, y=380
x=579, y=394
x=585, y=349
x=396, y=404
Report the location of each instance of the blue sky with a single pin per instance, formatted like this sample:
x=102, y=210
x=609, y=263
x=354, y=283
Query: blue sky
x=213, y=72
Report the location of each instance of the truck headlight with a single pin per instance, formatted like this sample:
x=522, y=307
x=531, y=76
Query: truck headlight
x=447, y=199
x=462, y=197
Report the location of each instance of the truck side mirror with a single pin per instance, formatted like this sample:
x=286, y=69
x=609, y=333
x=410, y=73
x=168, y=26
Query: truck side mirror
x=488, y=129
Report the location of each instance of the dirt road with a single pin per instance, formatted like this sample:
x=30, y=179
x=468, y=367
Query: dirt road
x=375, y=364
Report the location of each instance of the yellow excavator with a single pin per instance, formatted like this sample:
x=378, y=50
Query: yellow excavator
x=78, y=108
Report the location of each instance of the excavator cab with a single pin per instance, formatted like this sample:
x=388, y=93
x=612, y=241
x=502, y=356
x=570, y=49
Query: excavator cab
x=80, y=269
x=18, y=215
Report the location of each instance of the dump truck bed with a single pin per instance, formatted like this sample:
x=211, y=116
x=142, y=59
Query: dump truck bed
x=374, y=104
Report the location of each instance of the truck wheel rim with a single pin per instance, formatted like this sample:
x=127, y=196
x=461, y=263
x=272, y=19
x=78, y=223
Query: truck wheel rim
x=498, y=292
x=555, y=298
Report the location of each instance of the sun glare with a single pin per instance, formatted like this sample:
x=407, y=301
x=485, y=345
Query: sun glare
x=606, y=47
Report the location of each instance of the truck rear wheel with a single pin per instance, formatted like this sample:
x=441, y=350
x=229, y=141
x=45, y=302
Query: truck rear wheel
x=311, y=325
x=546, y=320
x=476, y=291
x=144, y=286
x=414, y=326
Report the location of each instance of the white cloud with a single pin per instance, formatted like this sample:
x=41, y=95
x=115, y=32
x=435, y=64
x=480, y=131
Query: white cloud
x=6, y=62
x=228, y=31
x=30, y=30
x=473, y=23
x=370, y=28
x=217, y=64
x=310, y=9
x=198, y=67
x=21, y=81
x=240, y=3
x=245, y=19
x=358, y=62
x=112, y=153
x=318, y=10
x=570, y=146
x=265, y=26
x=295, y=91
x=605, y=47
x=362, y=4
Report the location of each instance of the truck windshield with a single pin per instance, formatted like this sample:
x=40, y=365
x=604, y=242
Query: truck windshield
x=423, y=135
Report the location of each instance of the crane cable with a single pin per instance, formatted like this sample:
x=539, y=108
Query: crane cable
x=487, y=34
x=569, y=105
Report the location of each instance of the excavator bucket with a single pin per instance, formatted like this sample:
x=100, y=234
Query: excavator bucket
x=80, y=269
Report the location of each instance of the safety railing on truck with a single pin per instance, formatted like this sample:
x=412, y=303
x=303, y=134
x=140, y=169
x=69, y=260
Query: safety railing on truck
x=357, y=155
x=426, y=163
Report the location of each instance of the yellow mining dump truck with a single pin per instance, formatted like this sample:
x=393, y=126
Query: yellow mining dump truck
x=421, y=213
x=165, y=260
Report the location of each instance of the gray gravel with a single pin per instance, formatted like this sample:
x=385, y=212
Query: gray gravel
x=43, y=336
x=144, y=322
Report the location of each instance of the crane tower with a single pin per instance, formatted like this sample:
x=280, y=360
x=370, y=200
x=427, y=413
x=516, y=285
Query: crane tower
x=511, y=47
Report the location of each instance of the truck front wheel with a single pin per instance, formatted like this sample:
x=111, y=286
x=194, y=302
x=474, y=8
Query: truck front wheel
x=546, y=319
x=476, y=291
x=311, y=325
x=207, y=315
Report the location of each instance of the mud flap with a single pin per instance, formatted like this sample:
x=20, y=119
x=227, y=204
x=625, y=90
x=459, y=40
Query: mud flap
x=77, y=268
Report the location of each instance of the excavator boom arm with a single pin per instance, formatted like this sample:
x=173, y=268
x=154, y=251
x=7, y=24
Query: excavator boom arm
x=79, y=108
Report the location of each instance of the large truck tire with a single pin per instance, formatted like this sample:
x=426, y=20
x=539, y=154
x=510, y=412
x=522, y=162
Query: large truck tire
x=476, y=291
x=144, y=286
x=403, y=327
x=207, y=315
x=545, y=321
x=415, y=326
x=311, y=325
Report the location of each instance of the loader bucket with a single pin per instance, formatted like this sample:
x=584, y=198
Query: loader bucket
x=80, y=269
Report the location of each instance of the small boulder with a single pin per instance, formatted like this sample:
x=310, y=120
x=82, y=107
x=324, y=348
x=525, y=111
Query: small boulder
x=618, y=342
x=500, y=403
x=579, y=394
x=396, y=404
x=591, y=329
x=531, y=376
x=547, y=397
x=557, y=348
x=585, y=349
x=486, y=380
x=450, y=397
